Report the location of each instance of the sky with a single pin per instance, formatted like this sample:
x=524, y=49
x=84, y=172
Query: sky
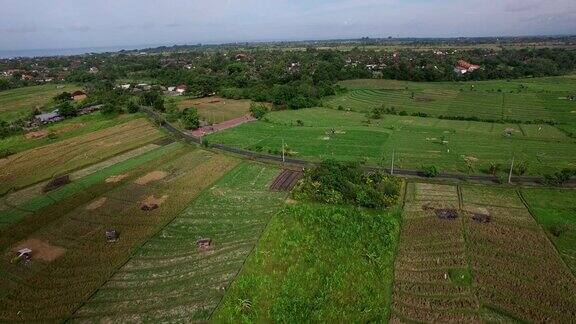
x=57, y=24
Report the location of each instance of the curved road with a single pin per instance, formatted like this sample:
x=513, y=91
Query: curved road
x=516, y=180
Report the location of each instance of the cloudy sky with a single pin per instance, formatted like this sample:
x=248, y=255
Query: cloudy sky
x=39, y=24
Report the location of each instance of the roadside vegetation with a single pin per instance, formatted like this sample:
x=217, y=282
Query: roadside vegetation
x=346, y=183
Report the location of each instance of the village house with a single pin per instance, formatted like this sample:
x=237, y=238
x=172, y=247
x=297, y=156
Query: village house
x=78, y=95
x=181, y=88
x=463, y=67
x=49, y=117
x=93, y=70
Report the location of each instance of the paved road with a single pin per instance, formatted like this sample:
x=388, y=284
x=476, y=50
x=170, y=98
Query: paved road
x=516, y=180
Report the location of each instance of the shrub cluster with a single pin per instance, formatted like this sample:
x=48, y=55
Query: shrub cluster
x=335, y=182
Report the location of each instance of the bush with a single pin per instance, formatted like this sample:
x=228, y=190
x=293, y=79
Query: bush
x=494, y=168
x=346, y=183
x=520, y=168
x=430, y=171
x=190, y=118
x=5, y=152
x=560, y=177
x=132, y=107
x=66, y=110
x=110, y=109
x=258, y=111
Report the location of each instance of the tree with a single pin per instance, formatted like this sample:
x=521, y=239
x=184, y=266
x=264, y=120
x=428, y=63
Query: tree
x=66, y=110
x=190, y=118
x=63, y=97
x=111, y=109
x=258, y=110
x=4, y=129
x=132, y=107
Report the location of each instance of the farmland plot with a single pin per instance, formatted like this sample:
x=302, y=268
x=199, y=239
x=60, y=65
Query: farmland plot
x=516, y=269
x=493, y=263
x=28, y=167
x=555, y=210
x=20, y=102
x=529, y=99
x=432, y=281
x=170, y=278
x=318, y=133
x=51, y=290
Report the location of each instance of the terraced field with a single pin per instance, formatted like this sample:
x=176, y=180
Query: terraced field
x=31, y=166
x=71, y=257
x=526, y=100
x=490, y=263
x=450, y=145
x=170, y=278
x=20, y=102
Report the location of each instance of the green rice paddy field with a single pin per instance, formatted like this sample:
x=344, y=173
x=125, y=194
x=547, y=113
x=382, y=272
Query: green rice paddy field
x=416, y=141
x=523, y=100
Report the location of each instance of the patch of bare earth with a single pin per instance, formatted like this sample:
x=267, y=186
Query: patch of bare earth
x=116, y=178
x=36, y=135
x=41, y=250
x=151, y=177
x=96, y=203
x=152, y=202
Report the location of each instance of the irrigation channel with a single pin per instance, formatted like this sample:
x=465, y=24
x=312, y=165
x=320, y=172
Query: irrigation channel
x=292, y=162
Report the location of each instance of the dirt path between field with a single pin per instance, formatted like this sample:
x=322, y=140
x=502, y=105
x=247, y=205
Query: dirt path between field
x=205, y=130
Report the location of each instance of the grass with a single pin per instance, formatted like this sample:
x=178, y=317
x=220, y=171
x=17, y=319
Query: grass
x=317, y=263
x=169, y=279
x=215, y=109
x=51, y=291
x=417, y=141
x=20, y=102
x=28, y=167
x=554, y=209
x=66, y=129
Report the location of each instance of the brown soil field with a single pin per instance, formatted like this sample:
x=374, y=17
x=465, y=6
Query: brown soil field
x=36, y=134
x=41, y=250
x=217, y=110
x=96, y=203
x=151, y=177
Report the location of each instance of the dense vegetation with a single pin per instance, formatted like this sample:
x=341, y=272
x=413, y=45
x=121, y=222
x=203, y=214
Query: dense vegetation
x=336, y=183
x=317, y=263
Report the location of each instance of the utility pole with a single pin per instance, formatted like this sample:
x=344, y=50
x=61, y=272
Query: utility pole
x=283, y=157
x=511, y=168
x=392, y=167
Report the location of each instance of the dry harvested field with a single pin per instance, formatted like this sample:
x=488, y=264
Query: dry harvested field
x=50, y=291
x=491, y=262
x=28, y=167
x=171, y=279
x=217, y=110
x=286, y=180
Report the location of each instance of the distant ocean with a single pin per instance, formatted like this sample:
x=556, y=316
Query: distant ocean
x=68, y=51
